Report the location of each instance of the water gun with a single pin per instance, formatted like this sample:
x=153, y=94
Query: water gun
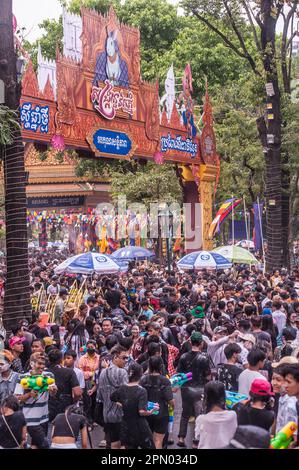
x=153, y=406
x=178, y=380
x=232, y=398
x=37, y=382
x=83, y=350
x=284, y=437
x=170, y=418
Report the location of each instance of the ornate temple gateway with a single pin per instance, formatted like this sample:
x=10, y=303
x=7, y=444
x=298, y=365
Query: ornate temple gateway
x=93, y=100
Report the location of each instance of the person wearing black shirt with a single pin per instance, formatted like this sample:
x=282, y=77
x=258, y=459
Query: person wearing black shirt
x=113, y=296
x=198, y=363
x=66, y=429
x=135, y=431
x=159, y=391
x=12, y=424
x=69, y=390
x=229, y=373
x=107, y=329
x=255, y=412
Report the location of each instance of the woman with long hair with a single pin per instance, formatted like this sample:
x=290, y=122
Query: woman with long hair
x=292, y=321
x=269, y=326
x=217, y=426
x=135, y=431
x=138, y=342
x=89, y=324
x=66, y=429
x=159, y=391
x=76, y=337
x=13, y=429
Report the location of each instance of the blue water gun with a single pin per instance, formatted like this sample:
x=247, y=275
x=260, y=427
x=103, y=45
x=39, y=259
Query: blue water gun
x=178, y=380
x=153, y=406
x=232, y=398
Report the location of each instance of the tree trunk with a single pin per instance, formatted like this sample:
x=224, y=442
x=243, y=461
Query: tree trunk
x=273, y=192
x=285, y=215
x=17, y=292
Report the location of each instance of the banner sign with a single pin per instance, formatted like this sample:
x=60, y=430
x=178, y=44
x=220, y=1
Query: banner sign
x=108, y=143
x=64, y=201
x=179, y=144
x=107, y=101
x=34, y=119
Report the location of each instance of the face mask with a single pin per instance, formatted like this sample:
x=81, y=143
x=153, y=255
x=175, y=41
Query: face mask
x=4, y=368
x=91, y=351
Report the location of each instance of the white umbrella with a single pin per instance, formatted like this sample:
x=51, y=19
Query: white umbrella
x=248, y=244
x=89, y=263
x=203, y=260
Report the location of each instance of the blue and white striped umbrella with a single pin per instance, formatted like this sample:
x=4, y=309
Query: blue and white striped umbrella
x=132, y=252
x=203, y=260
x=88, y=263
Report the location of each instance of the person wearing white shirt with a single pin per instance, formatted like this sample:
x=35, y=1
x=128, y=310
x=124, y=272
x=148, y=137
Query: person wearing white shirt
x=268, y=297
x=286, y=405
x=256, y=360
x=216, y=428
x=278, y=316
x=69, y=361
x=218, y=343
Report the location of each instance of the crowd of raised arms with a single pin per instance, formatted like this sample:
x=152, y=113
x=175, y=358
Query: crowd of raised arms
x=151, y=355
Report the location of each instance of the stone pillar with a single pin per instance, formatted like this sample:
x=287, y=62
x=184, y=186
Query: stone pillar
x=207, y=178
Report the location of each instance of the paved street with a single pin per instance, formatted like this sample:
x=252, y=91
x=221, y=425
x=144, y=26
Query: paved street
x=98, y=434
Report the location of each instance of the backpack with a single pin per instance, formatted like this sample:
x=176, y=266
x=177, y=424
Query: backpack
x=225, y=376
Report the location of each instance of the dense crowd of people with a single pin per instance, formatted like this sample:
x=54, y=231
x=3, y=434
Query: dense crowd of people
x=106, y=360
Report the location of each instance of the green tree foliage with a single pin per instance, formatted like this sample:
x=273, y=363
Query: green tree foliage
x=237, y=93
x=139, y=181
x=242, y=160
x=8, y=124
x=50, y=40
x=102, y=6
x=149, y=183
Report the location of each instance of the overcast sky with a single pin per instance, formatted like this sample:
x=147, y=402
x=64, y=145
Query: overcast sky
x=30, y=13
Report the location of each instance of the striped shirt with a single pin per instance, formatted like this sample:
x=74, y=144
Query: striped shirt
x=36, y=409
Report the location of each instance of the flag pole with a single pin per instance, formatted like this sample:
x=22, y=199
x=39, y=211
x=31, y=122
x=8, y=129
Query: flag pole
x=245, y=217
x=233, y=226
x=261, y=229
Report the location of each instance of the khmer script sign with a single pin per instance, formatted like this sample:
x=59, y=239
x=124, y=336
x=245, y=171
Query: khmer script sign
x=35, y=118
x=107, y=101
x=179, y=144
x=112, y=143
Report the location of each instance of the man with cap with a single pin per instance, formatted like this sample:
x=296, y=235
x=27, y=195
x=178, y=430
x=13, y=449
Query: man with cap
x=257, y=411
x=198, y=363
x=8, y=378
x=16, y=347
